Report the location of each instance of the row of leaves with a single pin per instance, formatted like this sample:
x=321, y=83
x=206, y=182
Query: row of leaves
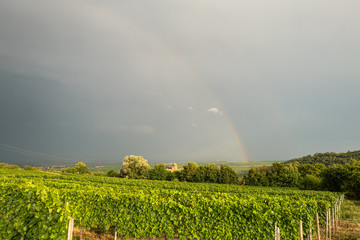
x=30, y=211
x=36, y=207
x=146, y=185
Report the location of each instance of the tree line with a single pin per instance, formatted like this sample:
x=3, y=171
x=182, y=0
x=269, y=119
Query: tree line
x=328, y=158
x=317, y=176
x=138, y=167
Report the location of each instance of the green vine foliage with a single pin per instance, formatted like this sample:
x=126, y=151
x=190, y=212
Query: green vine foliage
x=31, y=211
x=37, y=205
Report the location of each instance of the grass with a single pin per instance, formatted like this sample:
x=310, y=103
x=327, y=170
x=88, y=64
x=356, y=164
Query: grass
x=84, y=234
x=350, y=223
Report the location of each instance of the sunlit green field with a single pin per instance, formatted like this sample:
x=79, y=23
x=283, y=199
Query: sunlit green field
x=38, y=205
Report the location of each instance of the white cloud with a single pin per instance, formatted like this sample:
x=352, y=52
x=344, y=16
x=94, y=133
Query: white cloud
x=194, y=125
x=214, y=111
x=190, y=108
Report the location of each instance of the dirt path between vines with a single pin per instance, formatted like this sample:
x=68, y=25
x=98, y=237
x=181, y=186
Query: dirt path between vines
x=350, y=228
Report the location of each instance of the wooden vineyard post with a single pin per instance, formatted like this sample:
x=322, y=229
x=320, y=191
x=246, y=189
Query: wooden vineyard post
x=340, y=213
x=277, y=232
x=70, y=229
x=341, y=201
x=333, y=218
x=301, y=231
x=115, y=234
x=330, y=223
x=327, y=226
x=336, y=216
x=310, y=232
x=317, y=226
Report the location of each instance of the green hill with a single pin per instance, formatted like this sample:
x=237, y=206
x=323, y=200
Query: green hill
x=328, y=158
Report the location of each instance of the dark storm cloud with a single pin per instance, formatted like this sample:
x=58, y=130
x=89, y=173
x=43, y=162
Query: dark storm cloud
x=179, y=81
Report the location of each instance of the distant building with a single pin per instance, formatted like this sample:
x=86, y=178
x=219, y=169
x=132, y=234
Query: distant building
x=172, y=168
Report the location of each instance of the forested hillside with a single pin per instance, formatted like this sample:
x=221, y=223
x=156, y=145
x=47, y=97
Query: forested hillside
x=322, y=171
x=328, y=158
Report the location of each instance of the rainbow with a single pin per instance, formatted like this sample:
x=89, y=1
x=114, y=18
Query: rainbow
x=115, y=17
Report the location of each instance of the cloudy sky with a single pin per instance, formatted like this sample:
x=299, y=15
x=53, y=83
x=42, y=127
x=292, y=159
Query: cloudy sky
x=94, y=80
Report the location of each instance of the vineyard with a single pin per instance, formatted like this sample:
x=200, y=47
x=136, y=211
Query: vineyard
x=36, y=205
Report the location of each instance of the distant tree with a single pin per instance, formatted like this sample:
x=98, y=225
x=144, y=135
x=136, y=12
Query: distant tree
x=81, y=168
x=311, y=169
x=328, y=158
x=135, y=167
x=227, y=174
x=351, y=184
x=112, y=173
x=158, y=172
x=212, y=173
x=188, y=172
x=284, y=175
x=241, y=181
x=98, y=173
x=344, y=177
x=199, y=175
x=334, y=177
x=29, y=168
x=177, y=176
x=209, y=173
x=257, y=176
x=68, y=170
x=122, y=174
x=171, y=176
x=310, y=182
x=9, y=166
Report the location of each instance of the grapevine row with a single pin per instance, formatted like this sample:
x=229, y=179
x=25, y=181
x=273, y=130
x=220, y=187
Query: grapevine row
x=39, y=206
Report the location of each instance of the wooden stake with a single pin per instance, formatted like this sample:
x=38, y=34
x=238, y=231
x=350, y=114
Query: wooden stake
x=339, y=215
x=330, y=223
x=336, y=216
x=327, y=226
x=333, y=218
x=301, y=231
x=317, y=226
x=70, y=229
x=310, y=231
x=115, y=233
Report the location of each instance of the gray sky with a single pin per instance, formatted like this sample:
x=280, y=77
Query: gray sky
x=178, y=80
